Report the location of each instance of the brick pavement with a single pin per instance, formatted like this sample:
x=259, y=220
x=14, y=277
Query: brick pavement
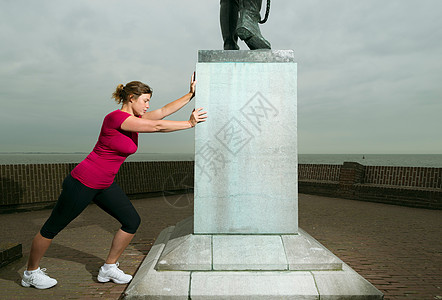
x=398, y=249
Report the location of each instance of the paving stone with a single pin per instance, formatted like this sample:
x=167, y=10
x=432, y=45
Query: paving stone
x=253, y=285
x=248, y=252
x=158, y=284
x=186, y=251
x=305, y=253
x=345, y=284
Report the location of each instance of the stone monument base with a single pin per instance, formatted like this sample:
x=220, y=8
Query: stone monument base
x=183, y=265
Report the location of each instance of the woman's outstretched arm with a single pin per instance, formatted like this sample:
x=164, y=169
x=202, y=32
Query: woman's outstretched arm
x=174, y=106
x=135, y=124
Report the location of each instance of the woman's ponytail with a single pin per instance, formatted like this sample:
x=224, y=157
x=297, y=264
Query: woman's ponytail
x=119, y=95
x=135, y=88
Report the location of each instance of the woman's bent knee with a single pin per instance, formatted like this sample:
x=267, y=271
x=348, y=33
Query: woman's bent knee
x=132, y=225
x=48, y=233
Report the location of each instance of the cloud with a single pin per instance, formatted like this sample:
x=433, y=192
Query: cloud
x=369, y=72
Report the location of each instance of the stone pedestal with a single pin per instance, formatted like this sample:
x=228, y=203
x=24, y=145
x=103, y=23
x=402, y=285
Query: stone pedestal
x=243, y=241
x=245, y=153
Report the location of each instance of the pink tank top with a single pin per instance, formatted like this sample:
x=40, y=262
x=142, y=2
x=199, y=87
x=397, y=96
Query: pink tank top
x=114, y=145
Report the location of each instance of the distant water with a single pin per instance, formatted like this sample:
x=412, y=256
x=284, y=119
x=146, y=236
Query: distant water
x=400, y=160
x=404, y=160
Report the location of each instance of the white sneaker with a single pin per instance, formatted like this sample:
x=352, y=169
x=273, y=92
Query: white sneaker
x=113, y=273
x=38, y=279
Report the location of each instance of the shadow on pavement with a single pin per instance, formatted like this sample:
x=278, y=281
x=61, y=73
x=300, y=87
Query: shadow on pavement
x=92, y=263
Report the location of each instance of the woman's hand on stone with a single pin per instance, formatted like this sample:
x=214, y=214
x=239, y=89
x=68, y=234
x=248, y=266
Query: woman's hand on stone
x=197, y=116
x=192, y=85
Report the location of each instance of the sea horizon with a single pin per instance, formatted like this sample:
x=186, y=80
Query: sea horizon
x=405, y=160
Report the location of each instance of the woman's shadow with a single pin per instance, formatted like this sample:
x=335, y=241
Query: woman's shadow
x=14, y=271
x=91, y=217
x=92, y=263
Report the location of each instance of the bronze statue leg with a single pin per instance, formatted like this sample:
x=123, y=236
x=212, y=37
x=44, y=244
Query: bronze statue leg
x=248, y=28
x=228, y=20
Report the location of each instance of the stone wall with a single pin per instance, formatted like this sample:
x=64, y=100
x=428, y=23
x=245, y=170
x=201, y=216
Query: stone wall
x=404, y=176
x=38, y=185
x=318, y=179
x=407, y=186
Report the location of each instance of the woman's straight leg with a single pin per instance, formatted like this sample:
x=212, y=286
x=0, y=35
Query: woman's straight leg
x=74, y=198
x=38, y=248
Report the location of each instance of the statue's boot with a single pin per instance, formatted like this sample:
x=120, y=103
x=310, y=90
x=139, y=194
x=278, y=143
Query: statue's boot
x=228, y=20
x=248, y=25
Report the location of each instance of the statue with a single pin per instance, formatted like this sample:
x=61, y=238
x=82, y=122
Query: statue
x=240, y=18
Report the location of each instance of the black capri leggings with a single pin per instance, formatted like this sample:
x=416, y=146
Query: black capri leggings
x=75, y=197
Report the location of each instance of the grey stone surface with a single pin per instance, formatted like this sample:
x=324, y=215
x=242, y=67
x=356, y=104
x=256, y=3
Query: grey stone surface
x=182, y=228
x=253, y=285
x=260, y=56
x=245, y=174
x=162, y=285
x=248, y=252
x=345, y=284
x=305, y=253
x=154, y=254
x=151, y=284
x=186, y=251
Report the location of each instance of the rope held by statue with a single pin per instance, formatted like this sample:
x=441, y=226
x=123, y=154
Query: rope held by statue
x=267, y=13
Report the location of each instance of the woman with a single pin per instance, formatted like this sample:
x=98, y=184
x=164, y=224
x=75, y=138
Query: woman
x=92, y=179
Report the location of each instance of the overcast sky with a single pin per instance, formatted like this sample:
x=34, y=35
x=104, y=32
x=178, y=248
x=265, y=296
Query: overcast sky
x=369, y=72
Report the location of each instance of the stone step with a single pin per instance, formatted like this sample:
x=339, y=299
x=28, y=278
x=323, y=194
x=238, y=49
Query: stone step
x=9, y=252
x=150, y=283
x=185, y=251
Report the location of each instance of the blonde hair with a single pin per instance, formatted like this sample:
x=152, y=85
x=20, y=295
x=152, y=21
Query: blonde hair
x=136, y=88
